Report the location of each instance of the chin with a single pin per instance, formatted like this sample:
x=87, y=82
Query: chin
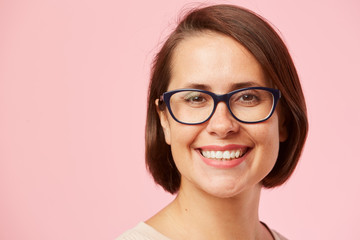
x=225, y=195
x=226, y=190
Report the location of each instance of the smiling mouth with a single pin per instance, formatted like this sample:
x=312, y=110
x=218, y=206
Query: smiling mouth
x=224, y=155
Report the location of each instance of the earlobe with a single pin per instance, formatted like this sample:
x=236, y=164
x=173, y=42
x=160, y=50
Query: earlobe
x=164, y=122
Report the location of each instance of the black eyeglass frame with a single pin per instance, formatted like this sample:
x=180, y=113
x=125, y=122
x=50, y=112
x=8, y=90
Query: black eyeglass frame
x=221, y=98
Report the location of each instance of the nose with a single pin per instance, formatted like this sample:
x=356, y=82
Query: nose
x=222, y=123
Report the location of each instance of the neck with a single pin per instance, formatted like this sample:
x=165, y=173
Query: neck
x=198, y=215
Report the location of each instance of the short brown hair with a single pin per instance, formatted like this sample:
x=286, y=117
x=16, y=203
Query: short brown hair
x=255, y=34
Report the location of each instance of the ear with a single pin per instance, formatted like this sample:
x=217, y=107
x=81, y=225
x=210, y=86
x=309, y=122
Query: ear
x=164, y=122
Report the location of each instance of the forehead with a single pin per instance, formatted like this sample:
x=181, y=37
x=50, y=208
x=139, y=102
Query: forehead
x=213, y=60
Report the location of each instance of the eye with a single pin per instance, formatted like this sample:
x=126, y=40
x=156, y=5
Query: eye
x=246, y=98
x=195, y=97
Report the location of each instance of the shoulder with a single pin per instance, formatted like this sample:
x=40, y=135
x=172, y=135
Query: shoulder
x=142, y=232
x=277, y=236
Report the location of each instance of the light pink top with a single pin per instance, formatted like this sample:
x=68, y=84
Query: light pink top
x=145, y=232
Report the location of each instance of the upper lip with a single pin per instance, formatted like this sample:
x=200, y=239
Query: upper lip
x=228, y=147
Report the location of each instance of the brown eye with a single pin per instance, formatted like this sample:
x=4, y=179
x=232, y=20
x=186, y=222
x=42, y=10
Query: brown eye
x=195, y=98
x=247, y=97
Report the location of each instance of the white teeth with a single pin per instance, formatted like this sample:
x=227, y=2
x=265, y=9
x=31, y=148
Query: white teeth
x=224, y=155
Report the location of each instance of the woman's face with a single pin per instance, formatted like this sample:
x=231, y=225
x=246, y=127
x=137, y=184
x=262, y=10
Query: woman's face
x=219, y=64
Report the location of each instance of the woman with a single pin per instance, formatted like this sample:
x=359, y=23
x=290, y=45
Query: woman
x=226, y=117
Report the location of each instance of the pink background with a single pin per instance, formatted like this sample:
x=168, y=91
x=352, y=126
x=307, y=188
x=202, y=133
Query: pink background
x=73, y=82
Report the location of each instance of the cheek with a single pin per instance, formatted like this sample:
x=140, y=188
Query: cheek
x=264, y=134
x=180, y=150
x=182, y=146
x=268, y=132
x=182, y=137
x=267, y=142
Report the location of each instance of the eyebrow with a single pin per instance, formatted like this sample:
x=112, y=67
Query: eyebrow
x=233, y=86
x=244, y=85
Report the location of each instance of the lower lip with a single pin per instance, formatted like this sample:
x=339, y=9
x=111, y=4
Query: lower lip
x=223, y=164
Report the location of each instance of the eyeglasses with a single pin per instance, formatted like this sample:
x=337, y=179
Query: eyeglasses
x=247, y=105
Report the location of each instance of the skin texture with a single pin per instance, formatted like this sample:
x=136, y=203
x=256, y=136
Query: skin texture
x=217, y=203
